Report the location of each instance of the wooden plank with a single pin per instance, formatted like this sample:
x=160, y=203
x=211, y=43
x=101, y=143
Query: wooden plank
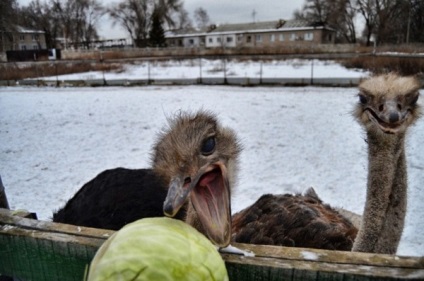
x=10, y=218
x=36, y=250
x=339, y=257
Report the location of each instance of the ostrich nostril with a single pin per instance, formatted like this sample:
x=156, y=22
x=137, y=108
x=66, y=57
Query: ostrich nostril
x=187, y=180
x=381, y=107
x=394, y=117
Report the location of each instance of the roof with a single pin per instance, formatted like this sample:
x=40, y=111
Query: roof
x=264, y=26
x=21, y=29
x=267, y=26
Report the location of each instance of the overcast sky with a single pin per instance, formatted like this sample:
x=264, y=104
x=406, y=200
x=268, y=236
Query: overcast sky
x=219, y=11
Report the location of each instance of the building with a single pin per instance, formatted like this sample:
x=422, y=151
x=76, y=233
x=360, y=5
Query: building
x=256, y=34
x=186, y=38
x=22, y=39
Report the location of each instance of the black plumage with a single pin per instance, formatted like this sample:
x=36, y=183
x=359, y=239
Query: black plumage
x=116, y=197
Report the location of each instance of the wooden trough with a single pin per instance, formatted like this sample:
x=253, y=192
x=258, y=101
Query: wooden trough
x=39, y=250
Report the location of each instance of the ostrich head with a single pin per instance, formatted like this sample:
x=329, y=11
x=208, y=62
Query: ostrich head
x=198, y=159
x=388, y=103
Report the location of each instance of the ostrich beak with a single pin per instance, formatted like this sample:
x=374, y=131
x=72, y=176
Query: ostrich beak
x=210, y=195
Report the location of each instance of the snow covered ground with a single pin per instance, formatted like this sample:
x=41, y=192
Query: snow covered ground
x=194, y=68
x=53, y=140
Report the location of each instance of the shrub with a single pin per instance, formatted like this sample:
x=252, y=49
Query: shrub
x=384, y=64
x=17, y=71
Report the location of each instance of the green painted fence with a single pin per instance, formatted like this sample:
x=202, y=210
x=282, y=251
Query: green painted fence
x=38, y=250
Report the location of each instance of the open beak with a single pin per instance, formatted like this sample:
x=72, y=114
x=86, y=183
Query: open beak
x=209, y=192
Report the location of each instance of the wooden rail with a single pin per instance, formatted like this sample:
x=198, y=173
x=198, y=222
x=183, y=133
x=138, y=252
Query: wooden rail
x=39, y=250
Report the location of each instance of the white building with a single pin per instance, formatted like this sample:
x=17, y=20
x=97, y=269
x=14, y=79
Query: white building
x=258, y=34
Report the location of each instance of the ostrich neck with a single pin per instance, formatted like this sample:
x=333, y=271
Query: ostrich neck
x=385, y=206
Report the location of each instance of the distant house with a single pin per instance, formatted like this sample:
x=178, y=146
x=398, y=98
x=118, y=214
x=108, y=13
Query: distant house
x=256, y=34
x=22, y=39
x=186, y=38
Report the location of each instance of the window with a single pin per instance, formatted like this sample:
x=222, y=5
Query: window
x=229, y=39
x=258, y=38
x=191, y=41
x=293, y=37
x=218, y=39
x=309, y=36
x=35, y=47
x=272, y=37
x=23, y=47
x=281, y=37
x=22, y=37
x=239, y=38
x=248, y=39
x=210, y=40
x=35, y=37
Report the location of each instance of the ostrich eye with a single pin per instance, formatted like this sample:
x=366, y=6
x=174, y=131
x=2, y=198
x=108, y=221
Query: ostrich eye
x=208, y=146
x=362, y=99
x=415, y=99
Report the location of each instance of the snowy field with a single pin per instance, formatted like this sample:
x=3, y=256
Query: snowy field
x=194, y=68
x=54, y=140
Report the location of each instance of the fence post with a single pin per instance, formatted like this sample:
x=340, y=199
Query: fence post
x=3, y=199
x=260, y=73
x=148, y=72
x=312, y=72
x=57, y=74
x=225, y=70
x=200, y=70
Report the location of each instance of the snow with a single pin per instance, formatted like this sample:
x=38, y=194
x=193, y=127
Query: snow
x=310, y=256
x=230, y=249
x=53, y=140
x=180, y=69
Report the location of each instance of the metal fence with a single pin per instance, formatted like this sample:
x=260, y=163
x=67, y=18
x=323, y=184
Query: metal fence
x=224, y=70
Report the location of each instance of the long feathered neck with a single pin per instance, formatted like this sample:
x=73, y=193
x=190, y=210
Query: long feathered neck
x=385, y=207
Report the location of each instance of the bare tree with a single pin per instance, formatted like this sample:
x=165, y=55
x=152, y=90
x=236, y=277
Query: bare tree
x=8, y=15
x=387, y=20
x=338, y=14
x=415, y=21
x=38, y=15
x=392, y=21
x=78, y=19
x=167, y=9
x=91, y=13
x=315, y=11
x=183, y=20
x=345, y=21
x=201, y=17
x=134, y=17
x=368, y=10
x=63, y=11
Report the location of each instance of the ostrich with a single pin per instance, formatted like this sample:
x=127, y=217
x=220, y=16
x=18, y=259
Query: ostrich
x=115, y=198
x=294, y=221
x=193, y=171
x=387, y=107
x=194, y=166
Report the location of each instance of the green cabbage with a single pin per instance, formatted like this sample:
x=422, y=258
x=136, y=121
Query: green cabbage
x=157, y=249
